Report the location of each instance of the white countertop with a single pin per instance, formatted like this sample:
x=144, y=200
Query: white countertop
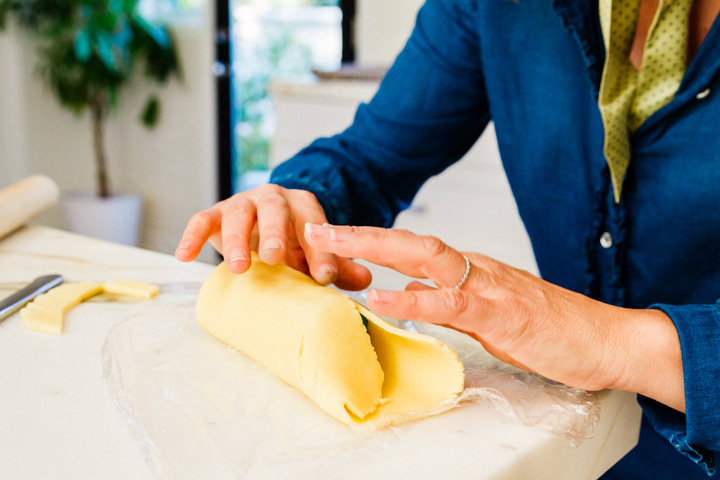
x=58, y=420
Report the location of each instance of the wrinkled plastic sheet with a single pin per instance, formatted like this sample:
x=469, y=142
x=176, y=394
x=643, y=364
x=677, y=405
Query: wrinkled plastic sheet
x=201, y=410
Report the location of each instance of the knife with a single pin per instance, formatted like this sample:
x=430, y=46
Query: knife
x=17, y=300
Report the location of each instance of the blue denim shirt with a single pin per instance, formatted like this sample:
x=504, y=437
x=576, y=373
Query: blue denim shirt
x=534, y=67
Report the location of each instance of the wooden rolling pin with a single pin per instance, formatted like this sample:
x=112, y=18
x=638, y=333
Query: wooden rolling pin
x=22, y=201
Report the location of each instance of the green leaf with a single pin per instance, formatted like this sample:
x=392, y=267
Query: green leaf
x=107, y=20
x=157, y=33
x=151, y=113
x=85, y=12
x=104, y=49
x=112, y=96
x=119, y=6
x=124, y=35
x=365, y=322
x=5, y=7
x=83, y=47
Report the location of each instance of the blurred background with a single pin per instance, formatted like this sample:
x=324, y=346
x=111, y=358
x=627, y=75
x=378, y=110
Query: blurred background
x=256, y=81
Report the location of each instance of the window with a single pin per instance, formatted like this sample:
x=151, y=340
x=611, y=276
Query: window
x=269, y=40
x=285, y=42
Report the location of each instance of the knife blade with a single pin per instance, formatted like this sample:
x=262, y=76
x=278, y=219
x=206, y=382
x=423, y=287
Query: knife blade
x=19, y=299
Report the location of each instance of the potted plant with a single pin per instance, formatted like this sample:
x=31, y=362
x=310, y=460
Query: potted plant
x=88, y=50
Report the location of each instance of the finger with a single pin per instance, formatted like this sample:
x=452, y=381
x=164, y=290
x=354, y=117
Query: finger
x=295, y=256
x=415, y=286
x=452, y=308
x=413, y=255
x=461, y=311
x=351, y=275
x=238, y=221
x=216, y=241
x=323, y=266
x=273, y=215
x=200, y=227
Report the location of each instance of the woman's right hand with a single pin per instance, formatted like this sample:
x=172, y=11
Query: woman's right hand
x=271, y=220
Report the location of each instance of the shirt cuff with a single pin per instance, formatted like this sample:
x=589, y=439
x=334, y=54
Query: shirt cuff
x=294, y=175
x=695, y=434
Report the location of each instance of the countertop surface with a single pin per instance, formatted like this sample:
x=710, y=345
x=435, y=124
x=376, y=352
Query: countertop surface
x=58, y=419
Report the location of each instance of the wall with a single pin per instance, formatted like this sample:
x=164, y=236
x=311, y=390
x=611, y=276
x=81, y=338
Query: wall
x=13, y=152
x=382, y=28
x=173, y=166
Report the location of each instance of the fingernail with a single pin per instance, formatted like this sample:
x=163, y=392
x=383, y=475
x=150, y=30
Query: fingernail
x=326, y=274
x=269, y=253
x=381, y=296
x=341, y=235
x=316, y=230
x=272, y=244
x=237, y=256
x=184, y=246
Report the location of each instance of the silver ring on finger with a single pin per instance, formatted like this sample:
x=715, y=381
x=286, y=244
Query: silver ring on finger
x=466, y=275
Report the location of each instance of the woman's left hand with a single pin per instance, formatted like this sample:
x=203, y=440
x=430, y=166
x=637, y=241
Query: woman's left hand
x=518, y=317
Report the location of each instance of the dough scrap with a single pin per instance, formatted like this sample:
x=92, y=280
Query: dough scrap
x=313, y=338
x=47, y=312
x=131, y=288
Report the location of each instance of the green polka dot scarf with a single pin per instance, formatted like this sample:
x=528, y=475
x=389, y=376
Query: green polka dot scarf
x=627, y=96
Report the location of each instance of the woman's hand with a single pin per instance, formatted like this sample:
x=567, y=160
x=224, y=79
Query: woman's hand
x=518, y=317
x=270, y=219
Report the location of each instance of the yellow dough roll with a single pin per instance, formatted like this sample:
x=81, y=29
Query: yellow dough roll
x=313, y=338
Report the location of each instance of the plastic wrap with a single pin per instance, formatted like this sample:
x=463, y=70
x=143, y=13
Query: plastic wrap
x=201, y=410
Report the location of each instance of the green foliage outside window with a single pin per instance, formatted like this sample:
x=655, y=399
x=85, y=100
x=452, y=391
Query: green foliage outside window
x=281, y=58
x=276, y=55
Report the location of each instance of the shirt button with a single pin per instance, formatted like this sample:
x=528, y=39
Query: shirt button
x=703, y=94
x=606, y=240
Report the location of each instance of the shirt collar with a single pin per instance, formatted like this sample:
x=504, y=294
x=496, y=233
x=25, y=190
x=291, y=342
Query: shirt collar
x=581, y=20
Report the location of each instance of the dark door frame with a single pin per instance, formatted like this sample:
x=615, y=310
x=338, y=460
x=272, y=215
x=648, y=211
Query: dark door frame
x=221, y=69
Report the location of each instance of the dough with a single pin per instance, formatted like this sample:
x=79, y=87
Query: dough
x=313, y=338
x=131, y=288
x=47, y=311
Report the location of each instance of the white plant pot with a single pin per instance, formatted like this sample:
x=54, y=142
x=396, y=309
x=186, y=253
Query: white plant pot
x=116, y=218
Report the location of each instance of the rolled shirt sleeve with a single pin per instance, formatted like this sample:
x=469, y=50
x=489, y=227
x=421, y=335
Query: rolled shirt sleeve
x=695, y=434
